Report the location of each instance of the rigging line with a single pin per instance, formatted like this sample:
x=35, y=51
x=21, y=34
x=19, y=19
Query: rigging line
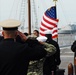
x=20, y=10
x=63, y=13
x=11, y=9
x=38, y=13
x=40, y=8
x=0, y=9
x=35, y=13
x=44, y=4
x=41, y=5
x=17, y=8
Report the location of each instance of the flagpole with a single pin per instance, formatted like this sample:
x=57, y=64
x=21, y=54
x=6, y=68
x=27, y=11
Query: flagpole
x=29, y=17
x=56, y=15
x=55, y=2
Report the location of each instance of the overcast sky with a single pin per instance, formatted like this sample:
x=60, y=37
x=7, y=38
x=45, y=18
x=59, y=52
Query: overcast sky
x=66, y=10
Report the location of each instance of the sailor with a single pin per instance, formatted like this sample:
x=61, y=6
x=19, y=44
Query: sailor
x=36, y=67
x=53, y=61
x=15, y=56
x=36, y=33
x=48, y=47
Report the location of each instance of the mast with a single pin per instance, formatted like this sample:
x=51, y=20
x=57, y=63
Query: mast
x=29, y=17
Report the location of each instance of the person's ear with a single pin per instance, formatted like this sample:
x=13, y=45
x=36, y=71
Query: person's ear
x=16, y=33
x=3, y=33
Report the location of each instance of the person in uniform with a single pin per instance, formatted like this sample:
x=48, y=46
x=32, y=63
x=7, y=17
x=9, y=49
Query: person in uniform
x=53, y=61
x=73, y=49
x=73, y=46
x=15, y=56
x=36, y=33
x=36, y=67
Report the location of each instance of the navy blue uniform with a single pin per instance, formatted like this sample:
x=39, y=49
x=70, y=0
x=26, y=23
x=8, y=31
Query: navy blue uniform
x=51, y=62
x=15, y=56
x=73, y=47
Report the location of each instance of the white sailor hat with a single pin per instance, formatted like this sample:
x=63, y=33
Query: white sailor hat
x=41, y=38
x=48, y=32
x=10, y=24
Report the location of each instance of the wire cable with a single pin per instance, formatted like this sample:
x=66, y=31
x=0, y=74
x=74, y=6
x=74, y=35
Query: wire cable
x=11, y=9
x=63, y=14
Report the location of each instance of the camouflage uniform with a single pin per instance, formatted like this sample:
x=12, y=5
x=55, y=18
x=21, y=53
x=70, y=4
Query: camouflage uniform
x=36, y=67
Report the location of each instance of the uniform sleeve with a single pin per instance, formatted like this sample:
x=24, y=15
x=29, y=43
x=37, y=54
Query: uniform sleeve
x=35, y=53
x=50, y=49
x=32, y=42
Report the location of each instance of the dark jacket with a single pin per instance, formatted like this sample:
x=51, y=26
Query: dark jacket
x=73, y=47
x=1, y=38
x=52, y=61
x=15, y=57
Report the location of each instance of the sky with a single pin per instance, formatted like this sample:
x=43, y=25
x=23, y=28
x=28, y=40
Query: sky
x=66, y=11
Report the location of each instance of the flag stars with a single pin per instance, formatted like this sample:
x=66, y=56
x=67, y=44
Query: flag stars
x=49, y=22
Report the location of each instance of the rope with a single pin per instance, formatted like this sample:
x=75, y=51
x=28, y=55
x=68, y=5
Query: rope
x=0, y=10
x=11, y=8
x=64, y=14
x=17, y=8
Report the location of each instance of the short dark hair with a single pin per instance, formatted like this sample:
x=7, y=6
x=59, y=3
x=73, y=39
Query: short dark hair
x=26, y=33
x=14, y=28
x=37, y=31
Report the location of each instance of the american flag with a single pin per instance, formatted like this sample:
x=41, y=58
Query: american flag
x=49, y=22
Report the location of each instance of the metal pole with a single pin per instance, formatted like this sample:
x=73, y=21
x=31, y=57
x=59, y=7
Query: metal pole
x=56, y=15
x=29, y=17
x=55, y=1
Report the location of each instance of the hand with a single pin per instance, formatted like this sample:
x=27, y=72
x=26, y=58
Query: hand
x=22, y=36
x=41, y=42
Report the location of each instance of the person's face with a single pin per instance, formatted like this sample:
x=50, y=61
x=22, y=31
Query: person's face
x=35, y=33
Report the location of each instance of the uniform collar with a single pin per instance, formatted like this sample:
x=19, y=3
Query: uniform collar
x=9, y=39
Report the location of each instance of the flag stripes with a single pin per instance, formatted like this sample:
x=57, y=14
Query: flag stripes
x=49, y=22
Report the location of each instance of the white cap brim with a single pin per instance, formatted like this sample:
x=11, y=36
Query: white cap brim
x=11, y=23
x=42, y=38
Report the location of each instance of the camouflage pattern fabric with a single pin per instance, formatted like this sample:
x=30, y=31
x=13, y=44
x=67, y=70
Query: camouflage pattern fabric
x=36, y=67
